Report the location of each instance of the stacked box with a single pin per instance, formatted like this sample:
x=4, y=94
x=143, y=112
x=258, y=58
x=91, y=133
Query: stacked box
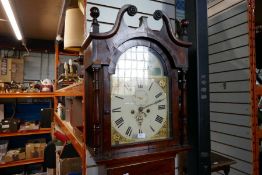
x=35, y=150
x=67, y=165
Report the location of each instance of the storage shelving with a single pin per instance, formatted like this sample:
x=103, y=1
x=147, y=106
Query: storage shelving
x=27, y=95
x=69, y=132
x=75, y=89
x=77, y=139
x=25, y=133
x=21, y=162
x=29, y=132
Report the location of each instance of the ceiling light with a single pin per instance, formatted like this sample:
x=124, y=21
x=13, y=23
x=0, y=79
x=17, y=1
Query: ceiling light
x=11, y=17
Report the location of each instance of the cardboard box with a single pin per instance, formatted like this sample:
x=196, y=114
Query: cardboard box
x=68, y=108
x=5, y=69
x=11, y=69
x=17, y=70
x=73, y=111
x=76, y=117
x=67, y=165
x=2, y=112
x=35, y=150
x=50, y=171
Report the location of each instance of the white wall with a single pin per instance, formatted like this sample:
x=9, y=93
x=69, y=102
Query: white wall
x=37, y=66
x=109, y=10
x=230, y=114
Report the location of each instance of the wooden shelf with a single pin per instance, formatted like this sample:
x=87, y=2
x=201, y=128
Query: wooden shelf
x=76, y=137
x=259, y=133
x=68, y=131
x=75, y=89
x=258, y=89
x=27, y=95
x=29, y=132
x=20, y=162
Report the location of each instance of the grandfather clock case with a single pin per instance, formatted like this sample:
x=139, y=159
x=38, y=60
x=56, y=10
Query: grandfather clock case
x=135, y=93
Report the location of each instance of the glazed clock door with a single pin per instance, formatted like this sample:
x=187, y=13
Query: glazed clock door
x=139, y=98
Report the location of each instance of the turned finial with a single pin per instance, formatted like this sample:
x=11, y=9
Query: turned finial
x=94, y=13
x=132, y=10
x=157, y=14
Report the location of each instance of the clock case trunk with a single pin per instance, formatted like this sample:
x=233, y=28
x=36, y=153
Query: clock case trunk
x=100, y=56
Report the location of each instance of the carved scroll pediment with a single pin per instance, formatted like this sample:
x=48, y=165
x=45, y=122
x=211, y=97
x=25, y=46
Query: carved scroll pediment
x=108, y=42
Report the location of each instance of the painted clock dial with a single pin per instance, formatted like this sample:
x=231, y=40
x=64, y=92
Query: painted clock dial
x=139, y=98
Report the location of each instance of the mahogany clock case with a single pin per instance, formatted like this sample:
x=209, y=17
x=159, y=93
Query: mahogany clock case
x=102, y=51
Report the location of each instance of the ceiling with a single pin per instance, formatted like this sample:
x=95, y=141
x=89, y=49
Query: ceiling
x=38, y=19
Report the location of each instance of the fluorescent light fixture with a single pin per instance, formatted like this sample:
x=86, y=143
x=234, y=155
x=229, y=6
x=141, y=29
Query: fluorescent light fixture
x=11, y=17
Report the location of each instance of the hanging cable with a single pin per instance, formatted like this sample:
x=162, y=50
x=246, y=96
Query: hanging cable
x=24, y=44
x=47, y=67
x=41, y=66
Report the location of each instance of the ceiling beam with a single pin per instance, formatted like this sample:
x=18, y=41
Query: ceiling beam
x=33, y=45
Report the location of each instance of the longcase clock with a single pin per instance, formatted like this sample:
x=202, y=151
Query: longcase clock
x=135, y=96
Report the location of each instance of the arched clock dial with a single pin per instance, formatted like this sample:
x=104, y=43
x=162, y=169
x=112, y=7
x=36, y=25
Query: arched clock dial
x=139, y=101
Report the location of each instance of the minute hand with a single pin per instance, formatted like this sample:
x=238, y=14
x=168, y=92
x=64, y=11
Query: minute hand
x=158, y=101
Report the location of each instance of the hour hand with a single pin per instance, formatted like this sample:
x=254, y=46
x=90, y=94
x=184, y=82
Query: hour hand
x=158, y=101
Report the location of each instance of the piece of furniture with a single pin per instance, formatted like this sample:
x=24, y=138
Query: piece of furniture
x=219, y=162
x=163, y=167
x=26, y=110
x=75, y=134
x=135, y=88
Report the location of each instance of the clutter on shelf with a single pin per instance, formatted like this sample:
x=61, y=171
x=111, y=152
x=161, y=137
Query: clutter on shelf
x=68, y=73
x=45, y=85
x=33, y=149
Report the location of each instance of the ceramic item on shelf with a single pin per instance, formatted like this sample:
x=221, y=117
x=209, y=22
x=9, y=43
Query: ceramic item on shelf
x=46, y=85
x=71, y=71
x=60, y=111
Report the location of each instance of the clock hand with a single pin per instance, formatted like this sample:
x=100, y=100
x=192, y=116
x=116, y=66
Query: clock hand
x=140, y=109
x=139, y=118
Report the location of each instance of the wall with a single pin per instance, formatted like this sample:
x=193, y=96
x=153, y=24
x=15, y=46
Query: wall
x=37, y=65
x=230, y=114
x=109, y=10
